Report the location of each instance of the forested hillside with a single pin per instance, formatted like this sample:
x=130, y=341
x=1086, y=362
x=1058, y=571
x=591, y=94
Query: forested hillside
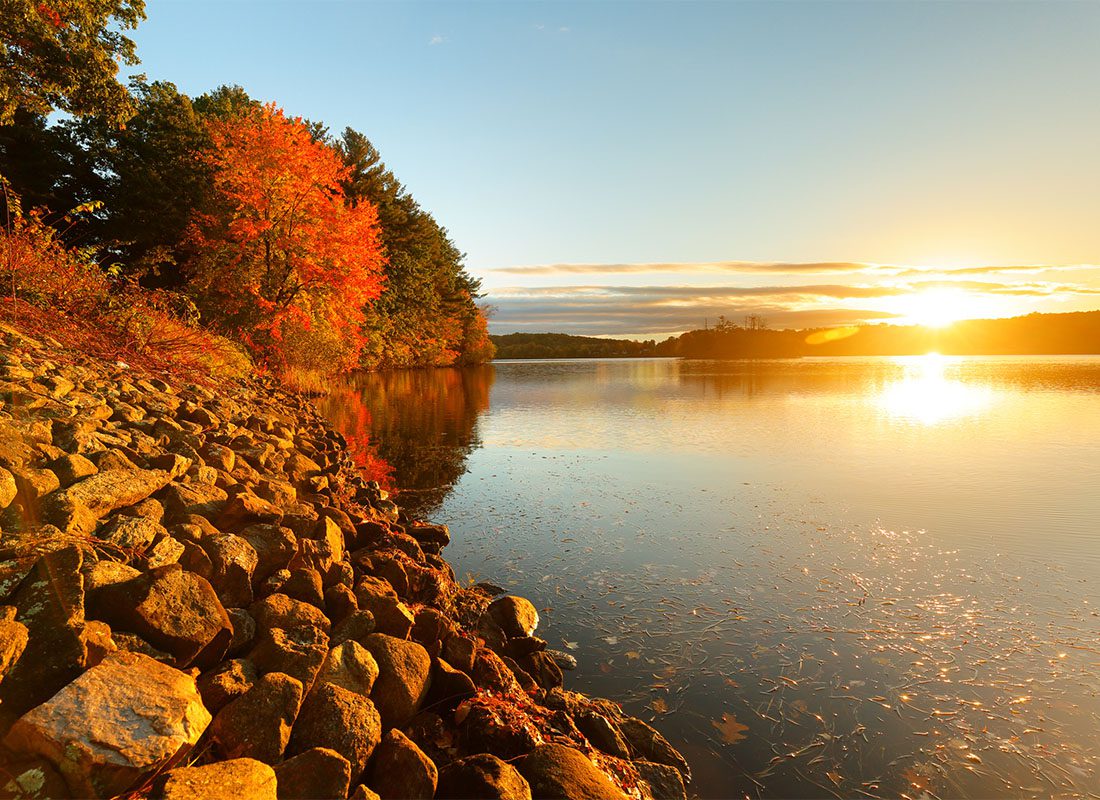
x=224, y=210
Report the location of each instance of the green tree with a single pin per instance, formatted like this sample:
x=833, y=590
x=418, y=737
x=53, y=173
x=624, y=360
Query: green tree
x=149, y=178
x=64, y=54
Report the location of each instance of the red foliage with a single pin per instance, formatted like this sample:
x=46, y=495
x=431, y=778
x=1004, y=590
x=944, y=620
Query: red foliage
x=284, y=254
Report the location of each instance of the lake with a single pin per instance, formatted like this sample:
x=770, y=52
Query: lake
x=819, y=578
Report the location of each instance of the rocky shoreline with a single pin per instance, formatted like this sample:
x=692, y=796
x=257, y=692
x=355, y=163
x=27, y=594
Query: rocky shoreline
x=201, y=598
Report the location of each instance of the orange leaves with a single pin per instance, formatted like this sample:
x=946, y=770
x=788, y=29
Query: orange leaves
x=284, y=261
x=730, y=729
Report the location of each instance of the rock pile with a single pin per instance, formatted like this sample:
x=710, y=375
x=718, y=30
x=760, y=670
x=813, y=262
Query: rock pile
x=201, y=598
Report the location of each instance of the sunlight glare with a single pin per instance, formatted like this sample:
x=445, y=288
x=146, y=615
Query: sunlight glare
x=925, y=395
x=938, y=308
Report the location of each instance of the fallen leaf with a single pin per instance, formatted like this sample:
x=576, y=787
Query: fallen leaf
x=633, y=654
x=659, y=705
x=730, y=729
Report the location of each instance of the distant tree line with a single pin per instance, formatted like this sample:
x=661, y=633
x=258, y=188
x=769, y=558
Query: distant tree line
x=561, y=345
x=1034, y=334
x=297, y=242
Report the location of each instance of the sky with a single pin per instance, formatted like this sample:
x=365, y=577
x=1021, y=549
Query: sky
x=638, y=168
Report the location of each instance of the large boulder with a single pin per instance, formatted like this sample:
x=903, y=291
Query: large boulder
x=50, y=605
x=280, y=611
x=237, y=779
x=274, y=545
x=557, y=772
x=401, y=771
x=334, y=718
x=174, y=610
x=351, y=666
x=120, y=720
x=13, y=639
x=298, y=652
x=257, y=724
x=404, y=674
x=515, y=615
x=232, y=562
x=75, y=509
x=652, y=746
x=316, y=774
x=482, y=777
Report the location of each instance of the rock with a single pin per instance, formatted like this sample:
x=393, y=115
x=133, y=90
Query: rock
x=34, y=484
x=401, y=771
x=660, y=782
x=257, y=724
x=298, y=652
x=543, y=668
x=403, y=677
x=183, y=499
x=31, y=779
x=602, y=733
x=244, y=630
x=562, y=659
x=556, y=772
x=459, y=651
x=164, y=551
x=279, y=493
x=652, y=746
x=7, y=488
x=131, y=533
x=319, y=555
x=515, y=615
x=449, y=686
x=503, y=731
x=361, y=792
x=50, y=604
x=350, y=666
x=334, y=718
x=233, y=562
x=339, y=601
x=490, y=672
x=432, y=538
x=391, y=616
x=224, y=780
x=71, y=468
x=298, y=467
x=109, y=460
x=75, y=509
x=13, y=639
x=104, y=573
x=356, y=626
x=218, y=456
x=226, y=682
x=174, y=610
x=118, y=721
x=172, y=463
x=148, y=508
x=520, y=646
x=305, y=585
x=280, y=611
x=482, y=777
x=247, y=509
x=316, y=774
x=132, y=643
x=274, y=546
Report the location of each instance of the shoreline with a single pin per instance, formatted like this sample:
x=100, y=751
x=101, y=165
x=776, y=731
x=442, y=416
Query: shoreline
x=199, y=590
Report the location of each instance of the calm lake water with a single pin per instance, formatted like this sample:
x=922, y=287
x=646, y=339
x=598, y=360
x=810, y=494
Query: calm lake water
x=844, y=577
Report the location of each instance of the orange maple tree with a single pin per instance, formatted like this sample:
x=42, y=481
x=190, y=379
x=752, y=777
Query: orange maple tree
x=283, y=261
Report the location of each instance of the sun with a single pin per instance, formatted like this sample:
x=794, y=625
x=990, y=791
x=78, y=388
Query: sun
x=937, y=308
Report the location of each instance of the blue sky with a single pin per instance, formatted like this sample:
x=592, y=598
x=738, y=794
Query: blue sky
x=688, y=134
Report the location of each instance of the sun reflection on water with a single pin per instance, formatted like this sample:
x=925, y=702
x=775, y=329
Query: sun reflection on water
x=925, y=395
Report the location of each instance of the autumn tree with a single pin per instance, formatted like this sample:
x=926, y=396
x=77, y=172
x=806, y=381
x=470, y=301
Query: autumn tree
x=281, y=259
x=64, y=54
x=427, y=316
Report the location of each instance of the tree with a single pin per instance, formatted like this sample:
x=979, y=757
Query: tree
x=149, y=179
x=64, y=54
x=280, y=255
x=427, y=314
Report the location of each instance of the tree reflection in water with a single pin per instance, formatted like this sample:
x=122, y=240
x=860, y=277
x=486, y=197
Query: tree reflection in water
x=412, y=430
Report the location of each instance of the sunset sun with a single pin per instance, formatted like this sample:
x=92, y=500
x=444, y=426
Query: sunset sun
x=938, y=308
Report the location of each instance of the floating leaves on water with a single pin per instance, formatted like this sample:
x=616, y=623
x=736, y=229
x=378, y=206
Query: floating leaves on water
x=633, y=655
x=659, y=705
x=571, y=645
x=730, y=729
